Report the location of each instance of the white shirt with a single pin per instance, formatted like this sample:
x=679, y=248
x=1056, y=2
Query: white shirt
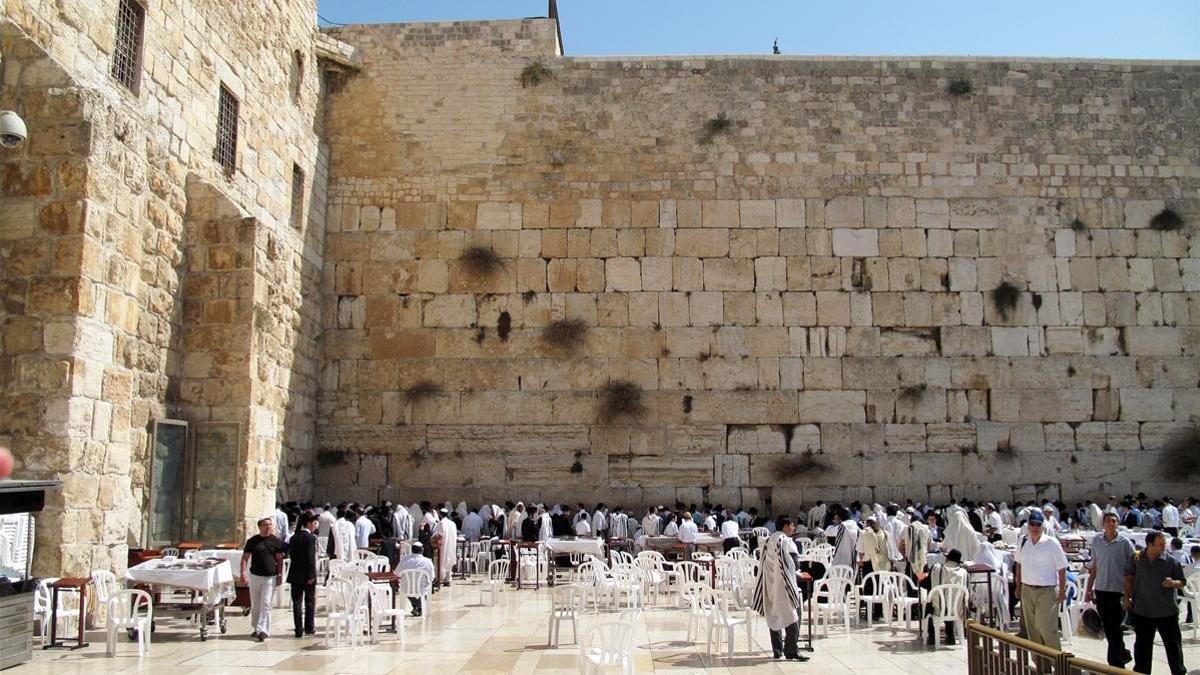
x=281, y=526
x=325, y=523
x=583, y=528
x=993, y=519
x=650, y=525
x=729, y=529
x=710, y=523
x=688, y=532
x=672, y=529
x=1040, y=563
x=599, y=522
x=363, y=529
x=1170, y=516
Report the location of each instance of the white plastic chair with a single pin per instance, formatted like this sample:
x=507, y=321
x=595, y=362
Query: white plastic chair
x=497, y=582
x=105, y=583
x=720, y=620
x=904, y=600
x=700, y=600
x=347, y=605
x=685, y=573
x=879, y=595
x=129, y=609
x=1191, y=598
x=69, y=608
x=607, y=644
x=169, y=552
x=283, y=590
x=838, y=596
x=383, y=608
x=564, y=606
x=416, y=584
x=949, y=604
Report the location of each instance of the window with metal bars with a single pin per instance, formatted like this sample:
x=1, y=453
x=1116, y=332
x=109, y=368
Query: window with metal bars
x=127, y=50
x=227, y=131
x=297, y=197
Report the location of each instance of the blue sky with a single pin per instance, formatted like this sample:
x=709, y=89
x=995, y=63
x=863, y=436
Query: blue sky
x=1147, y=29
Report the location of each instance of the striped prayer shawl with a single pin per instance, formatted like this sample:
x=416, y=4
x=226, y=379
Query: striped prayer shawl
x=779, y=570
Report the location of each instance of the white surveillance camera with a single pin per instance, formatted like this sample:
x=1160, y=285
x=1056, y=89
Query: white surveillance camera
x=12, y=129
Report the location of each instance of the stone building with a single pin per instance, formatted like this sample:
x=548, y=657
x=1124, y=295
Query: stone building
x=843, y=278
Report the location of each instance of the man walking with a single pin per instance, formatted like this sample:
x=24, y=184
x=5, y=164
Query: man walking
x=1041, y=568
x=264, y=555
x=302, y=575
x=776, y=596
x=1112, y=554
x=1150, y=585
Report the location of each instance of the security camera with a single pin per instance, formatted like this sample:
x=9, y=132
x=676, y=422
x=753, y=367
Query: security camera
x=12, y=129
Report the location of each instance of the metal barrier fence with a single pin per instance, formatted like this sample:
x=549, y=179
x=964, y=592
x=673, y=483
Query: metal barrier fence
x=994, y=652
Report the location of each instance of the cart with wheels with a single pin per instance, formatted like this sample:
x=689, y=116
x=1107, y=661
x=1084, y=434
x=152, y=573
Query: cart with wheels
x=196, y=590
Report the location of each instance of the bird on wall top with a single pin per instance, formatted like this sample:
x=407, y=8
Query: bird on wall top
x=775, y=47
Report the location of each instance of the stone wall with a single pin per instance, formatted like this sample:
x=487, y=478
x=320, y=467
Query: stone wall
x=111, y=237
x=804, y=292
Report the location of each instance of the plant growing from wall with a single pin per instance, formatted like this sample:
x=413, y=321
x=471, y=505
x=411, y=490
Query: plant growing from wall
x=565, y=334
x=1005, y=297
x=1078, y=225
x=716, y=126
x=504, y=326
x=959, y=87
x=795, y=466
x=422, y=390
x=1166, y=221
x=621, y=399
x=481, y=261
x=328, y=458
x=1180, y=460
x=534, y=74
x=913, y=392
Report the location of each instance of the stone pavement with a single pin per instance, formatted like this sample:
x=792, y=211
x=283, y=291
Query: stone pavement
x=458, y=634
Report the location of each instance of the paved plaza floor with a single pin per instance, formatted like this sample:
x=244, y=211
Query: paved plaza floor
x=459, y=634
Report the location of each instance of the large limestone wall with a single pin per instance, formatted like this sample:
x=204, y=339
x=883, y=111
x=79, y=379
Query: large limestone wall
x=817, y=278
x=101, y=227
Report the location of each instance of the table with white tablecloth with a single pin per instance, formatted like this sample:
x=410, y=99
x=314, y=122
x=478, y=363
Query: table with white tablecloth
x=583, y=545
x=661, y=543
x=207, y=586
x=234, y=556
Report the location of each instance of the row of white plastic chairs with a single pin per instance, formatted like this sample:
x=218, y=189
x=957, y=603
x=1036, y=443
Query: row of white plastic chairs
x=355, y=606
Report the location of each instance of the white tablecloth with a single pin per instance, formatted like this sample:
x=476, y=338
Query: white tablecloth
x=935, y=558
x=234, y=556
x=662, y=543
x=586, y=545
x=215, y=582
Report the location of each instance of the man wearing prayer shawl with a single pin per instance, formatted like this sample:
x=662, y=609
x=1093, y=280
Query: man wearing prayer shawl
x=650, y=526
x=1006, y=514
x=775, y=593
x=914, y=546
x=894, y=526
x=600, y=522
x=843, y=534
x=545, y=531
x=449, y=545
x=345, y=537
x=816, y=516
x=402, y=524
x=473, y=526
x=512, y=524
x=618, y=527
x=960, y=535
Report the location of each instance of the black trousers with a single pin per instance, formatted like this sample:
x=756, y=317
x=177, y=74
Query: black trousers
x=1112, y=615
x=304, y=597
x=1173, y=531
x=731, y=543
x=416, y=604
x=1144, y=628
x=784, y=641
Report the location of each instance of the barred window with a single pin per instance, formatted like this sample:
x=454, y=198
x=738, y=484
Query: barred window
x=227, y=131
x=127, y=51
x=297, y=197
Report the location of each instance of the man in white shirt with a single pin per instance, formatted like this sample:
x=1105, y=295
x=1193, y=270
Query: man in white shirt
x=363, y=529
x=687, y=529
x=1041, y=582
x=600, y=521
x=992, y=517
x=417, y=561
x=282, y=530
x=1170, y=517
x=583, y=528
x=710, y=523
x=618, y=525
x=326, y=524
x=729, y=535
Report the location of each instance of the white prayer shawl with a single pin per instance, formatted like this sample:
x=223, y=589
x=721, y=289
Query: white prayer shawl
x=599, y=522
x=402, y=524
x=583, y=529
x=363, y=529
x=345, y=540
x=545, y=531
x=650, y=525
x=672, y=529
x=1006, y=514
x=462, y=510
x=581, y=515
x=512, y=524
x=430, y=518
x=1096, y=515
x=844, y=537
x=815, y=516
x=473, y=526
x=916, y=545
x=988, y=556
x=947, y=573
x=775, y=594
x=325, y=522
x=960, y=535
x=952, y=509
x=416, y=513
x=618, y=527
x=449, y=532
x=873, y=545
x=894, y=527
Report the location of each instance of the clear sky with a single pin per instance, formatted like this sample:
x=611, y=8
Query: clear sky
x=1143, y=29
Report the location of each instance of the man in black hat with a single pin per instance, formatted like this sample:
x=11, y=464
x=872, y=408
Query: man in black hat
x=302, y=575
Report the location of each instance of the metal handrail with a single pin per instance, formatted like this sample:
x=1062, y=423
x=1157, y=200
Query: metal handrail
x=993, y=651
x=1078, y=666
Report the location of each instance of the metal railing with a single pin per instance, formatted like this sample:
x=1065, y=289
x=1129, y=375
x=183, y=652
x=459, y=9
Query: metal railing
x=994, y=652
